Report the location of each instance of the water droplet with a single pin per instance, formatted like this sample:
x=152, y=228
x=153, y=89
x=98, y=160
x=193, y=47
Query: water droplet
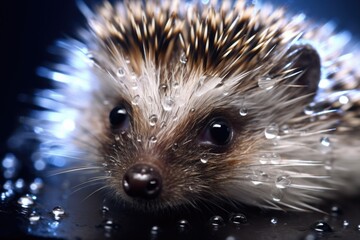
x=120, y=72
x=136, y=100
x=153, y=120
x=274, y=220
x=358, y=227
x=34, y=217
x=243, y=111
x=20, y=184
x=344, y=100
x=153, y=139
x=191, y=188
x=183, y=58
x=155, y=230
x=346, y=223
x=266, y=82
x=26, y=201
x=217, y=221
x=168, y=103
x=105, y=209
x=204, y=158
x=321, y=226
x=108, y=224
x=285, y=129
x=36, y=185
x=175, y=84
x=277, y=194
x=183, y=225
x=310, y=109
x=162, y=88
x=283, y=181
x=272, y=131
x=335, y=211
x=325, y=141
x=259, y=177
x=238, y=219
x=192, y=110
x=58, y=212
x=175, y=146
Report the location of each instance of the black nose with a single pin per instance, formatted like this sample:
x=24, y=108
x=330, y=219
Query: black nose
x=142, y=181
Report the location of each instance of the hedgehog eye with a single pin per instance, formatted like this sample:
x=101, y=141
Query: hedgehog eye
x=217, y=132
x=119, y=118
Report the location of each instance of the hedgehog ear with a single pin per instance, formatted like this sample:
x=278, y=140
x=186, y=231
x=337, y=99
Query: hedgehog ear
x=308, y=62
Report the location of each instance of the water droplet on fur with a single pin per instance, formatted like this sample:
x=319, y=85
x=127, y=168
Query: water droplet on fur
x=175, y=85
x=168, y=103
x=153, y=139
x=243, y=111
x=344, y=100
x=238, y=219
x=358, y=227
x=321, y=226
x=162, y=88
x=153, y=120
x=175, y=146
x=274, y=221
x=283, y=181
x=346, y=223
x=26, y=201
x=192, y=110
x=204, y=158
x=58, y=212
x=183, y=58
x=266, y=82
x=285, y=129
x=120, y=72
x=183, y=225
x=217, y=221
x=34, y=217
x=272, y=131
x=135, y=101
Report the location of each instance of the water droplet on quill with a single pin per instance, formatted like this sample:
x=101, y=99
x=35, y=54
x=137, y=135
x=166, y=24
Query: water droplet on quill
x=272, y=131
x=283, y=181
x=266, y=82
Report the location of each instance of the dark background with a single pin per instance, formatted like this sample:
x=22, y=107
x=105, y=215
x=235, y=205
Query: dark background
x=28, y=28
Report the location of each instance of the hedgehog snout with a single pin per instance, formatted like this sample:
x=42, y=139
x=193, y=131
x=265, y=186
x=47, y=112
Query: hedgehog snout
x=142, y=181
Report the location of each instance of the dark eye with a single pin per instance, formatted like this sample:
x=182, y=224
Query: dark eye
x=119, y=118
x=217, y=132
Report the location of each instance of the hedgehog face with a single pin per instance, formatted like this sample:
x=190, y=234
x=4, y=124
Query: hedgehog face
x=189, y=100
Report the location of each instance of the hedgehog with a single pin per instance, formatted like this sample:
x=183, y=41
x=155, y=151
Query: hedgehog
x=177, y=103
